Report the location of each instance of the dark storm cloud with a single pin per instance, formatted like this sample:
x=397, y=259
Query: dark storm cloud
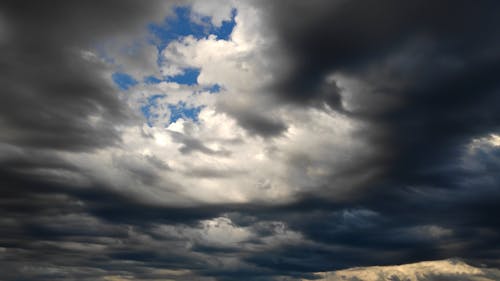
x=57, y=225
x=52, y=97
x=320, y=37
x=439, y=59
x=68, y=233
x=439, y=62
x=429, y=73
x=397, y=224
x=57, y=228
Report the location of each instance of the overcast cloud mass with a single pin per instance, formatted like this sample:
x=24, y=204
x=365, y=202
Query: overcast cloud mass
x=248, y=140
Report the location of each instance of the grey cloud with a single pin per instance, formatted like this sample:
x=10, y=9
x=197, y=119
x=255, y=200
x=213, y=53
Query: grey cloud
x=213, y=173
x=156, y=162
x=429, y=77
x=138, y=60
x=429, y=70
x=138, y=169
x=53, y=97
x=255, y=118
x=259, y=124
x=432, y=66
x=191, y=144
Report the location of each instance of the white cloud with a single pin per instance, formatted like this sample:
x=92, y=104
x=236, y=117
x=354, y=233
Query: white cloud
x=423, y=271
x=215, y=160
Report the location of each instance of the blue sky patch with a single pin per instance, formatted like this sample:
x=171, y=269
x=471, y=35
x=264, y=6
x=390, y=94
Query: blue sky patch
x=181, y=110
x=152, y=102
x=181, y=25
x=175, y=27
x=177, y=111
x=215, y=88
x=152, y=80
x=171, y=29
x=123, y=80
x=188, y=77
x=226, y=28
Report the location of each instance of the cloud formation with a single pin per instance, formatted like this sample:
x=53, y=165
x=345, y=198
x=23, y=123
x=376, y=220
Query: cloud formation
x=251, y=141
x=422, y=271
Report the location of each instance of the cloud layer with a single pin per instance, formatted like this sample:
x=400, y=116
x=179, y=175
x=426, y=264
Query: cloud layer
x=235, y=140
x=423, y=271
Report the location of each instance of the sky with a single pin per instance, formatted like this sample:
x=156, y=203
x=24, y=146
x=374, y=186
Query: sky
x=256, y=140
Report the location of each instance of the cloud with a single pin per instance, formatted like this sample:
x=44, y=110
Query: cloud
x=56, y=95
x=423, y=271
x=342, y=134
x=407, y=69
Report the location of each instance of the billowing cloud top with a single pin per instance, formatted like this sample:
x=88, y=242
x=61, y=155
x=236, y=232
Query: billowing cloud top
x=246, y=140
